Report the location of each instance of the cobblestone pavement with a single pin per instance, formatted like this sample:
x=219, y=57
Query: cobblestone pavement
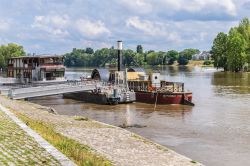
x=120, y=146
x=17, y=148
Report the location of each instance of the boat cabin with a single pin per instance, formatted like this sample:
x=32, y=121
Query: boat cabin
x=36, y=68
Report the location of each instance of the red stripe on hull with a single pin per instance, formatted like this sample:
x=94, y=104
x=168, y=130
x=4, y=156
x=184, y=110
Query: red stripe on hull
x=162, y=98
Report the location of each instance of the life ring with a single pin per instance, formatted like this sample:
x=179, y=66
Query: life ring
x=150, y=88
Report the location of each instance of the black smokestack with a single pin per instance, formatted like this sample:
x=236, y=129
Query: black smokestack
x=119, y=48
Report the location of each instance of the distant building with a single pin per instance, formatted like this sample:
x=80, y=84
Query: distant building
x=204, y=55
x=36, y=68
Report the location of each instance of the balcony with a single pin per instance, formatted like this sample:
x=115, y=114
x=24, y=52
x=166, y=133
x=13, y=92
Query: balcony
x=52, y=66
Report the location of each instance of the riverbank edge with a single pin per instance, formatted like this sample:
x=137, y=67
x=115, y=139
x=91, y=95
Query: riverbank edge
x=52, y=111
x=61, y=158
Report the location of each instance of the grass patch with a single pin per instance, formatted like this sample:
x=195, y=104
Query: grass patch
x=81, y=154
x=193, y=161
x=81, y=118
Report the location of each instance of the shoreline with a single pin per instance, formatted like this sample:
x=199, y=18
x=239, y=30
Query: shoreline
x=118, y=145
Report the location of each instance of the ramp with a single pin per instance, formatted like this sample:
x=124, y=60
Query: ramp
x=39, y=91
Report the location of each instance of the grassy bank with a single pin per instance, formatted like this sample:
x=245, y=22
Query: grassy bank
x=199, y=63
x=191, y=63
x=82, y=155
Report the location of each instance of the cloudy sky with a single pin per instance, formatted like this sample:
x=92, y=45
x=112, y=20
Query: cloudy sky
x=57, y=26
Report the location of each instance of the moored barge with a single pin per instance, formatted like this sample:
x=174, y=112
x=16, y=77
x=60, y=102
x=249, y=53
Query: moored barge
x=115, y=92
x=147, y=88
x=150, y=89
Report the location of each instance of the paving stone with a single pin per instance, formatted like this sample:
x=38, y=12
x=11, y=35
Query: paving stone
x=18, y=148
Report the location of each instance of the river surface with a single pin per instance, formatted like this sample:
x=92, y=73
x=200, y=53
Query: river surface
x=215, y=132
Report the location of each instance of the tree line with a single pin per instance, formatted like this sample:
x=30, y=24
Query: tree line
x=232, y=51
x=101, y=57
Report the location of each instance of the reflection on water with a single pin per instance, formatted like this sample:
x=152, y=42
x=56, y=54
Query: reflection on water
x=230, y=83
x=215, y=132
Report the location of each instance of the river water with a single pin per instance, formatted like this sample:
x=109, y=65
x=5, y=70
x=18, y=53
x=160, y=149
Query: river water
x=215, y=132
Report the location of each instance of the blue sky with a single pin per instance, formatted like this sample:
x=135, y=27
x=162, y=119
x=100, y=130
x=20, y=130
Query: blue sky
x=57, y=26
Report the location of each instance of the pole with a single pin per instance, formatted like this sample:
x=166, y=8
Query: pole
x=119, y=54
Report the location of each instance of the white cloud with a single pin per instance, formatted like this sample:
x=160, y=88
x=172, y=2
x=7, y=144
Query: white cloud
x=53, y=24
x=167, y=6
x=154, y=31
x=95, y=44
x=4, y=25
x=199, y=5
x=152, y=28
x=177, y=34
x=91, y=28
x=139, y=6
x=146, y=26
x=160, y=24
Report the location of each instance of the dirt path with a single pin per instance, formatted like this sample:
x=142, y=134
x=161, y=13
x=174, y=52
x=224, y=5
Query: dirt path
x=118, y=145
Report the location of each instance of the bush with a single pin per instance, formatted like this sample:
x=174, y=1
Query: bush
x=171, y=61
x=207, y=62
x=182, y=61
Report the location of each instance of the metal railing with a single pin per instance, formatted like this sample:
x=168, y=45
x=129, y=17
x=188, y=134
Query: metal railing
x=166, y=87
x=54, y=89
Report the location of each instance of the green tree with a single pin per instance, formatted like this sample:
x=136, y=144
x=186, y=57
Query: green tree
x=89, y=50
x=182, y=60
x=101, y=56
x=244, y=29
x=139, y=58
x=188, y=53
x=2, y=61
x=139, y=49
x=8, y=51
x=152, y=58
x=232, y=51
x=236, y=50
x=128, y=57
x=161, y=58
x=219, y=51
x=171, y=56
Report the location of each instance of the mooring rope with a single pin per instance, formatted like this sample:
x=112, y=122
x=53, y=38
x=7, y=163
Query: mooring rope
x=156, y=99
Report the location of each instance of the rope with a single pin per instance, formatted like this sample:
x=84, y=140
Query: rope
x=156, y=100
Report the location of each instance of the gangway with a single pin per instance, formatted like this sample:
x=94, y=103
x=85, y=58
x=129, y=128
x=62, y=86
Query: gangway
x=48, y=90
x=4, y=80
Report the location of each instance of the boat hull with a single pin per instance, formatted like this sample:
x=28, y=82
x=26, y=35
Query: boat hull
x=101, y=98
x=163, y=98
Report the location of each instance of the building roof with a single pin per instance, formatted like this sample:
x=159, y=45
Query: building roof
x=136, y=70
x=101, y=74
x=38, y=56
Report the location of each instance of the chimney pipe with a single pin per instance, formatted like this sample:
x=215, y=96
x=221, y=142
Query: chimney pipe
x=119, y=51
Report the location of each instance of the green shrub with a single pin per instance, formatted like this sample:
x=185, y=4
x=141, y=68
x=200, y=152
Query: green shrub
x=207, y=62
x=182, y=61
